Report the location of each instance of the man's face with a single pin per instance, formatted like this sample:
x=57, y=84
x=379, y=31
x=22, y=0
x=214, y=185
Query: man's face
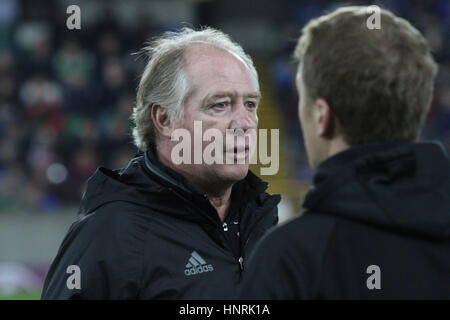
x=224, y=96
x=308, y=122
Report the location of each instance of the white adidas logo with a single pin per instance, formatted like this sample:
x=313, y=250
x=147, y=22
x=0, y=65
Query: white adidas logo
x=197, y=265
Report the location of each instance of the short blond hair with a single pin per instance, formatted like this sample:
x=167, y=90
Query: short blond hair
x=379, y=83
x=164, y=80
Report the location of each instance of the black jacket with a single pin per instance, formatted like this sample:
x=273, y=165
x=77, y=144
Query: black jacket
x=383, y=206
x=145, y=233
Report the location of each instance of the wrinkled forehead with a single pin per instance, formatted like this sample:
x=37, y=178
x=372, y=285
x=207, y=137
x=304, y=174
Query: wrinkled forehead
x=204, y=50
x=203, y=58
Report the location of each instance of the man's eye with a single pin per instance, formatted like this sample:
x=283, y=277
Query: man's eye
x=221, y=105
x=251, y=104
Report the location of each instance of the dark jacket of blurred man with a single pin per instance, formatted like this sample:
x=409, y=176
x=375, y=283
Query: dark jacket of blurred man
x=377, y=219
x=167, y=229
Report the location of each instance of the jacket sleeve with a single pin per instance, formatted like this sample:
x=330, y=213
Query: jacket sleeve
x=100, y=258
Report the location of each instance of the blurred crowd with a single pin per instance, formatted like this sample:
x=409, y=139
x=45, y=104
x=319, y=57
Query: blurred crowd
x=65, y=102
x=66, y=97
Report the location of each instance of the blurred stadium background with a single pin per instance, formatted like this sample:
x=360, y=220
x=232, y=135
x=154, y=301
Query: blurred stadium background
x=66, y=97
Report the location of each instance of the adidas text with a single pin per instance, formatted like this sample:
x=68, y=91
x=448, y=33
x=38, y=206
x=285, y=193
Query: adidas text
x=196, y=265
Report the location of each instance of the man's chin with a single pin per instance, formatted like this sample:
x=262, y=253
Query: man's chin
x=234, y=172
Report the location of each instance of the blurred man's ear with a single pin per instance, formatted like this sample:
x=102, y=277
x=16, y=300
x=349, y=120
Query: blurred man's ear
x=161, y=120
x=324, y=118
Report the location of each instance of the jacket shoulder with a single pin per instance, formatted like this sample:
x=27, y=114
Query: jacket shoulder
x=308, y=233
x=107, y=247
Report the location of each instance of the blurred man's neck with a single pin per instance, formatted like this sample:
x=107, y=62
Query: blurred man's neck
x=337, y=145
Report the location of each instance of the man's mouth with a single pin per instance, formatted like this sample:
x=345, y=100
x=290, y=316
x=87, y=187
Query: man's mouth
x=239, y=151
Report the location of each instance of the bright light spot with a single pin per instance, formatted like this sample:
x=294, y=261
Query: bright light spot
x=56, y=173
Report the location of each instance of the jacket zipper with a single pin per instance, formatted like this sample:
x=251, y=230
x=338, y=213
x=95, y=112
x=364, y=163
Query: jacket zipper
x=241, y=259
x=221, y=228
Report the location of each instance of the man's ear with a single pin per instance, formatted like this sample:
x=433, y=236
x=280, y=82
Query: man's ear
x=161, y=120
x=324, y=118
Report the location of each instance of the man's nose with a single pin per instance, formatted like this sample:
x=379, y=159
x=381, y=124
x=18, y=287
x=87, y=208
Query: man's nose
x=244, y=118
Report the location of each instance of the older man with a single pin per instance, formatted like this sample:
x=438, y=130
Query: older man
x=159, y=229
x=377, y=224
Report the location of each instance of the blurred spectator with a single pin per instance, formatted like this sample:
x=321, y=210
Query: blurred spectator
x=9, y=10
x=40, y=96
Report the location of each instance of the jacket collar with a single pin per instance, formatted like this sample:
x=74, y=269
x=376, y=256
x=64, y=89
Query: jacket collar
x=251, y=186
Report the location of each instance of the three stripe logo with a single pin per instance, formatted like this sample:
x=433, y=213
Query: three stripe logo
x=196, y=264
